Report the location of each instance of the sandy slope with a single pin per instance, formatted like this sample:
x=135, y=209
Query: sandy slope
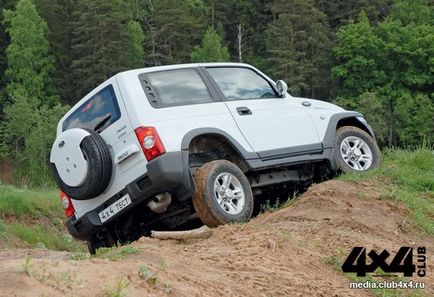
x=286, y=253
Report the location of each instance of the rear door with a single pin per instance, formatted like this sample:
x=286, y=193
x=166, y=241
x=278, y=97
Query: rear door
x=104, y=111
x=272, y=125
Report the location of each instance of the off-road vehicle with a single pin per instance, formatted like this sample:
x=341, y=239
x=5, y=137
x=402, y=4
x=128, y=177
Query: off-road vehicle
x=161, y=146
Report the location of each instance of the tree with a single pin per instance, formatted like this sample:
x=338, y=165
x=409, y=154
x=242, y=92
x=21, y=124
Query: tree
x=392, y=60
x=298, y=47
x=29, y=63
x=180, y=26
x=136, y=41
x=343, y=12
x=31, y=117
x=358, y=48
x=211, y=50
x=59, y=17
x=102, y=43
x=4, y=42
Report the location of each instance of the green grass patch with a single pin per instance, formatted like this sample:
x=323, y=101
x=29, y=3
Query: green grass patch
x=3, y=234
x=116, y=253
x=29, y=203
x=408, y=177
x=33, y=218
x=44, y=236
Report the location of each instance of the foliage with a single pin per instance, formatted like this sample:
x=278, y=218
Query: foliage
x=30, y=118
x=298, y=44
x=392, y=60
x=28, y=58
x=136, y=42
x=180, y=25
x=101, y=43
x=211, y=50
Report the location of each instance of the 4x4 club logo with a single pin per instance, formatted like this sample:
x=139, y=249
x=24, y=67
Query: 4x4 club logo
x=401, y=263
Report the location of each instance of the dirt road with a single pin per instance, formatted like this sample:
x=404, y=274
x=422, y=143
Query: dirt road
x=292, y=252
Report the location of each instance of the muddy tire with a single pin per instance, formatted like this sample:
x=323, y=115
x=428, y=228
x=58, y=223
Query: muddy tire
x=355, y=150
x=223, y=194
x=97, y=154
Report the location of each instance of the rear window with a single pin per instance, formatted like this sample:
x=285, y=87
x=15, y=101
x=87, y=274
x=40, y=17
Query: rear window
x=175, y=87
x=100, y=108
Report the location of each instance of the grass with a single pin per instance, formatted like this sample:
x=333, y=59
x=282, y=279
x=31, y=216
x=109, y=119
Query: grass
x=116, y=253
x=27, y=265
x=407, y=177
x=44, y=236
x=118, y=290
x=29, y=203
x=33, y=218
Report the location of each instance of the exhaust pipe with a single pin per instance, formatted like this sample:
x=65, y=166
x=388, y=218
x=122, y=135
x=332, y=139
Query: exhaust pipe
x=160, y=202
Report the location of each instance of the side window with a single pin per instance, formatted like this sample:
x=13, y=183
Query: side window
x=176, y=87
x=241, y=83
x=100, y=109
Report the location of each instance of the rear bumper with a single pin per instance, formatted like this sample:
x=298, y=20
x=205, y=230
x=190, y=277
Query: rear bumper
x=167, y=173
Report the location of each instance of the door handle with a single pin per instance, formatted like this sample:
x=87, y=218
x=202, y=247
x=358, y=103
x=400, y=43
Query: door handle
x=244, y=110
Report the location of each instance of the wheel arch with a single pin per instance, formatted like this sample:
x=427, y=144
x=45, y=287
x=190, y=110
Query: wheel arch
x=344, y=119
x=209, y=138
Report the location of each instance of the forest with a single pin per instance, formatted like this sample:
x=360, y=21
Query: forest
x=373, y=56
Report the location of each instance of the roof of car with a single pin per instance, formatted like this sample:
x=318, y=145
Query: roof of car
x=136, y=72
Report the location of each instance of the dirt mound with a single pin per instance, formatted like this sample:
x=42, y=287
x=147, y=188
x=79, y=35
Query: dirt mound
x=284, y=253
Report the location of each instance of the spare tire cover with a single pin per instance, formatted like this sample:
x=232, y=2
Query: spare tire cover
x=81, y=163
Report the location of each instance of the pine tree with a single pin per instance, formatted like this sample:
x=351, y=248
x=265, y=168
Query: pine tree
x=211, y=50
x=59, y=16
x=298, y=47
x=180, y=26
x=343, y=12
x=101, y=43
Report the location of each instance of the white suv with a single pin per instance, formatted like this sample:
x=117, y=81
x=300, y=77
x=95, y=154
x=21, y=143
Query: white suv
x=158, y=147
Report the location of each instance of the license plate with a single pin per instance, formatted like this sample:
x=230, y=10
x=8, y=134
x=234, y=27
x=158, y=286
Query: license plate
x=114, y=208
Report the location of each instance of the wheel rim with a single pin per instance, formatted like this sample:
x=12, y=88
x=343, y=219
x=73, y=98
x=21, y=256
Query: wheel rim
x=229, y=193
x=356, y=153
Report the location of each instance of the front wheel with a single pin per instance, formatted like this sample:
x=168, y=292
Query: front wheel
x=355, y=150
x=223, y=194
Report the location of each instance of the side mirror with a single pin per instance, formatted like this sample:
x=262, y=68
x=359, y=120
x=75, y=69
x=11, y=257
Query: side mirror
x=282, y=88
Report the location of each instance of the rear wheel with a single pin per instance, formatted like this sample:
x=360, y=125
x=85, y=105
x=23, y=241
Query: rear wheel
x=355, y=150
x=223, y=194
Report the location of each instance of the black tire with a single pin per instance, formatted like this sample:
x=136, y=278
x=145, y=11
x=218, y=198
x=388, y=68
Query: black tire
x=99, y=175
x=92, y=246
x=348, y=131
x=205, y=202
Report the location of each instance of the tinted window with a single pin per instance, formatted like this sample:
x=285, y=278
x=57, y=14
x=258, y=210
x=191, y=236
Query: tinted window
x=93, y=111
x=241, y=83
x=178, y=87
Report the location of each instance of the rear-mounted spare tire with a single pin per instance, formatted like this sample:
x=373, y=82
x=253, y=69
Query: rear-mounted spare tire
x=81, y=163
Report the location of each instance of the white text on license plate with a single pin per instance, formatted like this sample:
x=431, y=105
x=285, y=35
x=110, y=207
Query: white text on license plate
x=114, y=208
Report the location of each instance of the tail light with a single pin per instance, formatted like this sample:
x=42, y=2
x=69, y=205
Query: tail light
x=67, y=205
x=150, y=142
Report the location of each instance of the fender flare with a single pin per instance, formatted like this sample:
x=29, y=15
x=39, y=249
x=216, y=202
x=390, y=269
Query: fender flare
x=186, y=140
x=329, y=136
